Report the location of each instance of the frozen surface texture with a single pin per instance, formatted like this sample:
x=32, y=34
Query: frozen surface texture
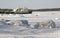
x=12, y=30
x=16, y=31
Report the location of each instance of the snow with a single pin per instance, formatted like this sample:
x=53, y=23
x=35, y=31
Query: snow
x=11, y=31
x=16, y=31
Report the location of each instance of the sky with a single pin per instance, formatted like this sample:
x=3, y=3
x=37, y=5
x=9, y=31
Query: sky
x=33, y=4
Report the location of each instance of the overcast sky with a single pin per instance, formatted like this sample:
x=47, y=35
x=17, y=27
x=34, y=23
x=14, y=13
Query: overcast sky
x=30, y=3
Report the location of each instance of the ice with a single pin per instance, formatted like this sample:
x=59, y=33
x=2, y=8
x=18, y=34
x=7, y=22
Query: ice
x=11, y=31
